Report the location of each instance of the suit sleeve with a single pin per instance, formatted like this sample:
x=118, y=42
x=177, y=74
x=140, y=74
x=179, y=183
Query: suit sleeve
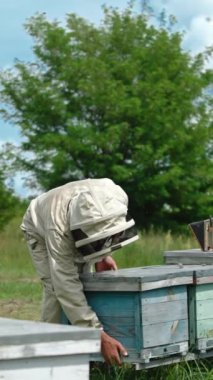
x=65, y=278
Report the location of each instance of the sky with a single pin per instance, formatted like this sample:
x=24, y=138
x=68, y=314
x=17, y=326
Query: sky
x=194, y=17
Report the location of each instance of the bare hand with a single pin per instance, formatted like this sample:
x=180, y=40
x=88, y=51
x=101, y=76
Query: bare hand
x=111, y=349
x=108, y=263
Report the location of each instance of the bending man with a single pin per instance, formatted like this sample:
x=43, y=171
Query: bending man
x=67, y=229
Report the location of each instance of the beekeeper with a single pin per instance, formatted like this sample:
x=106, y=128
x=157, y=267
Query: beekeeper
x=68, y=228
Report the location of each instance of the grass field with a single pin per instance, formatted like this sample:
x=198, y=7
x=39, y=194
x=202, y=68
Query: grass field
x=20, y=294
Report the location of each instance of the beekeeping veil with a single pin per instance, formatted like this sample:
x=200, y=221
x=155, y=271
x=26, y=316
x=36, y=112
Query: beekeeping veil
x=99, y=221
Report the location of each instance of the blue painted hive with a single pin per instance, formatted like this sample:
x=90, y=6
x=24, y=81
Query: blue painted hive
x=146, y=309
x=201, y=309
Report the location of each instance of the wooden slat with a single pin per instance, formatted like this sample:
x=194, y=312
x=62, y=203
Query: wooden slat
x=165, y=333
x=48, y=349
x=165, y=350
x=205, y=270
x=138, y=279
x=68, y=367
x=205, y=309
x=204, y=292
x=30, y=332
x=164, y=312
x=166, y=283
x=205, y=328
x=204, y=280
x=112, y=304
x=188, y=257
x=173, y=293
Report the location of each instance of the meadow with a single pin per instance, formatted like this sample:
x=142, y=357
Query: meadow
x=20, y=294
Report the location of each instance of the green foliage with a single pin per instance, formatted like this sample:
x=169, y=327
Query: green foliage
x=8, y=203
x=120, y=100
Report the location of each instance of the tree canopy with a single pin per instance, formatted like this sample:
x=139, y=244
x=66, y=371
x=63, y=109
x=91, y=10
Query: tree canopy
x=121, y=100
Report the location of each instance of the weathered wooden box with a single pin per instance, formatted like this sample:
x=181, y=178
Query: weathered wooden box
x=143, y=308
x=42, y=351
x=188, y=257
x=201, y=309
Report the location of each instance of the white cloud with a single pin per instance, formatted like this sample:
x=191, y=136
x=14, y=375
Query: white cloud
x=195, y=19
x=200, y=33
x=186, y=10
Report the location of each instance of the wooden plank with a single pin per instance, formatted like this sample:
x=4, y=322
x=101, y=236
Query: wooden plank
x=204, y=280
x=167, y=361
x=136, y=279
x=173, y=293
x=106, y=285
x=8, y=352
x=188, y=257
x=73, y=368
x=205, y=328
x=203, y=292
x=205, y=309
x=164, y=312
x=112, y=304
x=166, y=283
x=165, y=350
x=30, y=332
x=165, y=333
x=204, y=271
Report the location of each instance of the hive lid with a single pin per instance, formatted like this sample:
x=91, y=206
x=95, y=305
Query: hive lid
x=189, y=257
x=204, y=275
x=20, y=332
x=138, y=279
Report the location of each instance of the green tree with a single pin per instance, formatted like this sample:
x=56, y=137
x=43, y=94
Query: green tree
x=8, y=203
x=119, y=100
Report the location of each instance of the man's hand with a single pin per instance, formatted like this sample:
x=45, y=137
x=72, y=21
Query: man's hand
x=111, y=349
x=108, y=263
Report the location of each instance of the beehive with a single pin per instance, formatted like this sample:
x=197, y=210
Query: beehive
x=143, y=308
x=201, y=309
x=33, y=350
x=189, y=257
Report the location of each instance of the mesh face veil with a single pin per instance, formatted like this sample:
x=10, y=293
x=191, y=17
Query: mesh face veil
x=97, y=246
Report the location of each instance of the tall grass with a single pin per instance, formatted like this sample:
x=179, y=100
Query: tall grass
x=20, y=290
x=15, y=260
x=180, y=371
x=150, y=248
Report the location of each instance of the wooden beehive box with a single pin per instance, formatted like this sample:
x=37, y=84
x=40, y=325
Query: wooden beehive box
x=43, y=351
x=143, y=308
x=201, y=309
x=188, y=257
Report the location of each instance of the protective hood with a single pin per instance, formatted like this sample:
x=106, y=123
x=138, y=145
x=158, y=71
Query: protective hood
x=98, y=219
x=100, y=200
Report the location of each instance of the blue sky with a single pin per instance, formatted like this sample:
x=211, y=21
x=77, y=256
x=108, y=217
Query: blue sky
x=195, y=17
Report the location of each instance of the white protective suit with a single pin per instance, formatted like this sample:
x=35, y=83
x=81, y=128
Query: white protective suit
x=98, y=207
